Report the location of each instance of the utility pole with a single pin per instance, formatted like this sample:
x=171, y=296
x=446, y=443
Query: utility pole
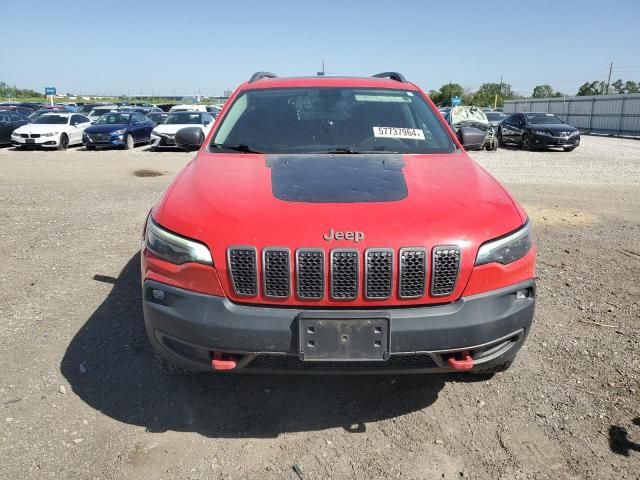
x=608, y=81
x=495, y=100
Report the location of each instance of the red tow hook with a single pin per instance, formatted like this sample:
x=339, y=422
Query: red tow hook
x=461, y=364
x=223, y=361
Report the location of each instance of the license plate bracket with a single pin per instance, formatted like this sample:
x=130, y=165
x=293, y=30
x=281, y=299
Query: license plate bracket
x=343, y=339
x=30, y=140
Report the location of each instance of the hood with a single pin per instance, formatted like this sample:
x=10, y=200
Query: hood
x=552, y=128
x=41, y=128
x=173, y=128
x=295, y=200
x=463, y=114
x=106, y=128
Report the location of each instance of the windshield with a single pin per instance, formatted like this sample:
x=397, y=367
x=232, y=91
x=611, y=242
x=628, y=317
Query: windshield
x=495, y=116
x=183, y=119
x=113, y=118
x=52, y=119
x=156, y=117
x=338, y=120
x=543, y=118
x=96, y=112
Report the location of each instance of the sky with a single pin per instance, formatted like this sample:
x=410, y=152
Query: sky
x=164, y=47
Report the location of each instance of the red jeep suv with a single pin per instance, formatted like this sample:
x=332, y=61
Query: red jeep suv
x=335, y=225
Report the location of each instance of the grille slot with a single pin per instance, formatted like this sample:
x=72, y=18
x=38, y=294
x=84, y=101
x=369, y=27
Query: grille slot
x=242, y=267
x=378, y=273
x=310, y=273
x=446, y=264
x=413, y=272
x=276, y=272
x=344, y=274
x=289, y=362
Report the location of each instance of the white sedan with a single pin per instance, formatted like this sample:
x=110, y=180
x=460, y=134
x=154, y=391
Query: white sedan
x=163, y=135
x=52, y=130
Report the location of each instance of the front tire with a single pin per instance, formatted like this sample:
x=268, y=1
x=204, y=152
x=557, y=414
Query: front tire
x=499, y=140
x=129, y=143
x=63, y=144
x=526, y=142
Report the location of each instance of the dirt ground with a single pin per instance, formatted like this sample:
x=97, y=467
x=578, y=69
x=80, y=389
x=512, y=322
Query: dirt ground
x=81, y=397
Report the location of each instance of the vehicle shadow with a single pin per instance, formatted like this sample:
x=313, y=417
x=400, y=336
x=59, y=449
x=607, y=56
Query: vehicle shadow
x=619, y=439
x=109, y=364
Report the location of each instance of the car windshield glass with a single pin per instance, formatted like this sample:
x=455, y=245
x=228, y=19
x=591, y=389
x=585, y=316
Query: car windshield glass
x=183, y=118
x=540, y=118
x=332, y=120
x=96, y=112
x=156, y=117
x=495, y=116
x=113, y=118
x=52, y=119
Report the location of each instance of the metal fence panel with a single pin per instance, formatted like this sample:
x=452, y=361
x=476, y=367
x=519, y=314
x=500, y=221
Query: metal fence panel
x=608, y=114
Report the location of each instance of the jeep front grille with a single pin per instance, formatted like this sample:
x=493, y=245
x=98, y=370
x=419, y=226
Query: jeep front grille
x=413, y=272
x=242, y=266
x=446, y=264
x=276, y=272
x=343, y=272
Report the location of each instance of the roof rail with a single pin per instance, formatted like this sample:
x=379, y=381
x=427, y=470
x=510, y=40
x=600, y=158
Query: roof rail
x=260, y=75
x=398, y=77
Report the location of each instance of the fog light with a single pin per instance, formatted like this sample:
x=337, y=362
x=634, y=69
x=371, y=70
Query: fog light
x=159, y=294
x=521, y=294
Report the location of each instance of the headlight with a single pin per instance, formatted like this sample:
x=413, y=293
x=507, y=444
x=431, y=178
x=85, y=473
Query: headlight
x=542, y=132
x=14, y=134
x=50, y=134
x=118, y=132
x=173, y=248
x=154, y=133
x=573, y=134
x=506, y=249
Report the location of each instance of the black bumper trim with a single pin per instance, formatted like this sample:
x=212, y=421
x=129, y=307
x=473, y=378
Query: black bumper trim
x=209, y=323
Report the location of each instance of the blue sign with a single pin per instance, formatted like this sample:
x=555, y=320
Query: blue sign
x=49, y=90
x=455, y=101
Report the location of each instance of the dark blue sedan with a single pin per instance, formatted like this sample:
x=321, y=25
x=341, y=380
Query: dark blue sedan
x=117, y=129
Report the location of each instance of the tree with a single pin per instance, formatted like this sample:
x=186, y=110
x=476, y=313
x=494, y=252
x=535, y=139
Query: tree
x=543, y=91
x=590, y=88
x=619, y=86
x=487, y=92
x=631, y=87
x=443, y=96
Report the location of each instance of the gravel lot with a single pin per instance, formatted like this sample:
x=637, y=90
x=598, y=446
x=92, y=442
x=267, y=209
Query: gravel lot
x=82, y=399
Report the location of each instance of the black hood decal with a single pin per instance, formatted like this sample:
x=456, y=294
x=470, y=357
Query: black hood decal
x=337, y=178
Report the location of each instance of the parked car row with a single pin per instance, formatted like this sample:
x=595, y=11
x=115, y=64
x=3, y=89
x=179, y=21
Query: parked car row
x=124, y=128
x=481, y=128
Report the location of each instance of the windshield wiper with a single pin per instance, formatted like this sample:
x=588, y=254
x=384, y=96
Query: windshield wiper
x=351, y=151
x=240, y=147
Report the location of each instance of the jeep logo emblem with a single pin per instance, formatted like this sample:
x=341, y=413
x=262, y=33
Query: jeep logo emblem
x=337, y=235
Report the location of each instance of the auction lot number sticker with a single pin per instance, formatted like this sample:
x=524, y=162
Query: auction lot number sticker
x=395, y=132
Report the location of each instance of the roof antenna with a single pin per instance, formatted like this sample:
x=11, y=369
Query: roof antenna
x=322, y=73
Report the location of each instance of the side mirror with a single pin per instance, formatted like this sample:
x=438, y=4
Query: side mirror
x=471, y=138
x=189, y=138
x=75, y=124
x=206, y=123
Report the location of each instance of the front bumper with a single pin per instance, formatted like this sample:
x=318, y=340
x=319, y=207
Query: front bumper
x=162, y=141
x=50, y=142
x=187, y=327
x=545, y=141
x=101, y=140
